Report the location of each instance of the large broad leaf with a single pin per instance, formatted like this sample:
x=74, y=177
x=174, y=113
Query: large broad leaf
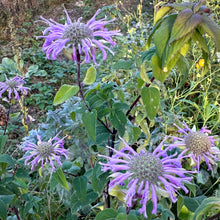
x=212, y=29
x=106, y=214
x=3, y=210
x=181, y=6
x=102, y=134
x=161, y=13
x=162, y=35
x=77, y=204
x=185, y=22
x=158, y=73
x=3, y=139
x=65, y=92
x=206, y=205
x=118, y=120
x=156, y=26
x=174, y=47
x=90, y=76
x=60, y=178
x=151, y=100
x=89, y=120
x=80, y=187
x=99, y=178
x=5, y=158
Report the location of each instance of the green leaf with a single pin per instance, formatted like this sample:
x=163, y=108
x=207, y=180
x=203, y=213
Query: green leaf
x=123, y=64
x=99, y=178
x=172, y=49
x=212, y=29
x=106, y=214
x=181, y=6
x=143, y=74
x=90, y=76
x=80, y=187
x=5, y=158
x=180, y=204
x=7, y=198
x=161, y=13
x=158, y=73
x=185, y=23
x=162, y=34
x=121, y=216
x=102, y=134
x=132, y=217
x=89, y=120
x=3, y=139
x=118, y=120
x=3, y=210
x=157, y=25
x=151, y=100
x=147, y=55
x=60, y=178
x=206, y=206
x=77, y=204
x=191, y=203
x=65, y=92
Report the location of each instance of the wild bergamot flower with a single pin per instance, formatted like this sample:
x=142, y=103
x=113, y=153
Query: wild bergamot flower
x=78, y=36
x=13, y=86
x=198, y=145
x=45, y=152
x=147, y=174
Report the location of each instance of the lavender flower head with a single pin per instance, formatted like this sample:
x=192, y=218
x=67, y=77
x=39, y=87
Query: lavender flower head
x=147, y=173
x=78, y=37
x=45, y=152
x=198, y=145
x=13, y=86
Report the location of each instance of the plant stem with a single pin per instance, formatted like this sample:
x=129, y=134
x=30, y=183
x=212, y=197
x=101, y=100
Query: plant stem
x=137, y=99
x=6, y=125
x=80, y=90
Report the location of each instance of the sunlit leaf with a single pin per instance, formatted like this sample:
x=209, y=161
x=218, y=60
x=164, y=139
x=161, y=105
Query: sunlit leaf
x=151, y=100
x=185, y=23
x=90, y=76
x=143, y=74
x=161, y=13
x=65, y=92
x=60, y=178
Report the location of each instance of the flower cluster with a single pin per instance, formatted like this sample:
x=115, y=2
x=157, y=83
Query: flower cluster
x=146, y=173
x=78, y=36
x=45, y=152
x=198, y=145
x=13, y=86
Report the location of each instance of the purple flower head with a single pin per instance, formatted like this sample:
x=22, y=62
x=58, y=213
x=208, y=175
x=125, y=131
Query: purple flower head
x=77, y=36
x=45, y=152
x=13, y=86
x=198, y=145
x=147, y=174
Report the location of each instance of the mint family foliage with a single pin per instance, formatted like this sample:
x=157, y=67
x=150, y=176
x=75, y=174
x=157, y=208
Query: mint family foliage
x=105, y=151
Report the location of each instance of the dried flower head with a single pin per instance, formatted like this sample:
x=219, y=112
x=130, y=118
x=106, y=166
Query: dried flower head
x=13, y=86
x=78, y=36
x=198, y=145
x=45, y=152
x=3, y=117
x=147, y=173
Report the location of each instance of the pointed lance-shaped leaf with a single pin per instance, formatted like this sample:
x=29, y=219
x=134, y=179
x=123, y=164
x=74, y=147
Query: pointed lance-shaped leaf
x=212, y=29
x=161, y=36
x=161, y=13
x=185, y=22
x=156, y=26
x=174, y=47
x=197, y=6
